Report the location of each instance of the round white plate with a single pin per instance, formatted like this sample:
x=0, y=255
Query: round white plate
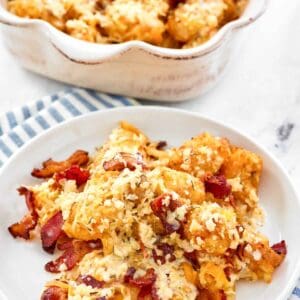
x=21, y=263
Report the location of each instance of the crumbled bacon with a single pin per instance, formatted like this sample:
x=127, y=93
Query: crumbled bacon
x=218, y=186
x=129, y=274
x=145, y=283
x=72, y=255
x=161, y=145
x=161, y=206
x=148, y=279
x=50, y=167
x=192, y=257
x=164, y=203
x=240, y=251
x=230, y=255
x=51, y=231
x=23, y=228
x=223, y=296
x=146, y=291
x=228, y=271
x=124, y=160
x=167, y=253
x=169, y=228
x=54, y=293
x=280, y=248
x=174, y=3
x=81, y=176
x=90, y=281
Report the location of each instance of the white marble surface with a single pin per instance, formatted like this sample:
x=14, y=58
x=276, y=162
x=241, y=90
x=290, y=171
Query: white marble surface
x=259, y=95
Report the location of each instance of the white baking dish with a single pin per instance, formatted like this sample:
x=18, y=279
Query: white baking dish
x=133, y=68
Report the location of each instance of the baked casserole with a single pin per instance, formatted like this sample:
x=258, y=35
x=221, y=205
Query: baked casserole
x=139, y=221
x=165, y=23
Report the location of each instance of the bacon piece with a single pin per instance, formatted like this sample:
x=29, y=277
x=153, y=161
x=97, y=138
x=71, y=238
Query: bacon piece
x=280, y=248
x=146, y=291
x=148, y=279
x=66, y=261
x=29, y=197
x=167, y=250
x=50, y=167
x=51, y=231
x=64, y=242
x=124, y=160
x=218, y=186
x=90, y=281
x=192, y=258
x=23, y=228
x=72, y=255
x=145, y=283
x=73, y=173
x=54, y=293
x=161, y=206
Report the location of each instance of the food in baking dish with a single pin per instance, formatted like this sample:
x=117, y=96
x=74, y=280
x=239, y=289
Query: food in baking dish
x=166, y=23
x=139, y=221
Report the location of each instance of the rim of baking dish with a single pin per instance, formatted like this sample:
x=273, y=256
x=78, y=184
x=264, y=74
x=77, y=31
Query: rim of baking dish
x=72, y=48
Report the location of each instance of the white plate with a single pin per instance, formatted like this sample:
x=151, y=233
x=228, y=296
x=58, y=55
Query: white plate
x=21, y=263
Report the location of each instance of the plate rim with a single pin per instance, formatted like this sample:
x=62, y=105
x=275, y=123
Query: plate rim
x=287, y=291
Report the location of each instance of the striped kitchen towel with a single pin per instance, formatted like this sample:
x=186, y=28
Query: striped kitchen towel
x=296, y=292
x=19, y=126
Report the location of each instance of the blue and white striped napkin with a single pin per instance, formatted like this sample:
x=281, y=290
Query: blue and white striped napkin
x=19, y=126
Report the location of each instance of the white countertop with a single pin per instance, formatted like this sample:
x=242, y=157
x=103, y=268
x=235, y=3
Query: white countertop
x=259, y=94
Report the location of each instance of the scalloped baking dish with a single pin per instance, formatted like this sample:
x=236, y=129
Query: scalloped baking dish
x=134, y=68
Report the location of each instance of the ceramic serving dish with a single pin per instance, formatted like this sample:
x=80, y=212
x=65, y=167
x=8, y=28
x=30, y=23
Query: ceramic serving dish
x=22, y=275
x=133, y=68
